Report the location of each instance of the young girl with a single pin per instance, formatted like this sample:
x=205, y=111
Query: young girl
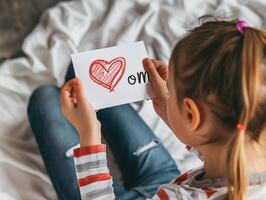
x=214, y=100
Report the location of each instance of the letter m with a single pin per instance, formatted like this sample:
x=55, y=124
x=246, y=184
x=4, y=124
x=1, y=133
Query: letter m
x=143, y=76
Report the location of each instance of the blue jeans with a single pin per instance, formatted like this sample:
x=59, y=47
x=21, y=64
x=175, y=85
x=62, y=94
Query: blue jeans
x=144, y=162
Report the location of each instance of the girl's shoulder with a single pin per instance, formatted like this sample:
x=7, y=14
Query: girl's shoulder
x=181, y=188
x=189, y=185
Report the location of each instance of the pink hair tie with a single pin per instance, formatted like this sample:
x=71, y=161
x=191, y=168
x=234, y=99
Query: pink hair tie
x=241, y=127
x=241, y=25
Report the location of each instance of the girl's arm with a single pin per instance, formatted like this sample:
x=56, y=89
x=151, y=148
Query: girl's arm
x=90, y=159
x=92, y=172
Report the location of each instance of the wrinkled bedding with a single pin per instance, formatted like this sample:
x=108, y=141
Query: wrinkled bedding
x=84, y=25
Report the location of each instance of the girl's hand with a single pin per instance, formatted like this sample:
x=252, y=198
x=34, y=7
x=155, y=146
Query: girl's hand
x=80, y=113
x=158, y=73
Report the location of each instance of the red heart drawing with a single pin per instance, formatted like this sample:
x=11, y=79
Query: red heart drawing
x=107, y=74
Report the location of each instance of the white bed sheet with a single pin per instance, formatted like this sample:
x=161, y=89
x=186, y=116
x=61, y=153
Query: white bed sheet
x=84, y=25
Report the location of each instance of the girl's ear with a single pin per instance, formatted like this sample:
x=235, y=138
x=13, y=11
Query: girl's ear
x=192, y=113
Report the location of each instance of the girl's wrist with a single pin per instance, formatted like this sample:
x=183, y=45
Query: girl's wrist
x=90, y=136
x=90, y=140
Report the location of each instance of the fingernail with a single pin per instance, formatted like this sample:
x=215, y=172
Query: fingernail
x=76, y=82
x=145, y=61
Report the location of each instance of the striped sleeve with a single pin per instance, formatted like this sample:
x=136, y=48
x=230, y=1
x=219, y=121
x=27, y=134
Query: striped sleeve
x=94, y=179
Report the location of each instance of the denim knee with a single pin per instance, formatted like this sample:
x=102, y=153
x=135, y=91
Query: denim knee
x=39, y=96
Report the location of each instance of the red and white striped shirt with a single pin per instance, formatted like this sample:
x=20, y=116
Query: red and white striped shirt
x=95, y=181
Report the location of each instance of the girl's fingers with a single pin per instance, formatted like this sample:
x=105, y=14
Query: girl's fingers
x=162, y=68
x=79, y=90
x=73, y=94
x=159, y=64
x=68, y=87
x=67, y=95
x=65, y=92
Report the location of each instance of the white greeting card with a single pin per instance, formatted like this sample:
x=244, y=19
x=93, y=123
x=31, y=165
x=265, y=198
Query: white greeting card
x=113, y=76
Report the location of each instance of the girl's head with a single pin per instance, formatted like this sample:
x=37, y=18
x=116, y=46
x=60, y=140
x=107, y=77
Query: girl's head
x=217, y=81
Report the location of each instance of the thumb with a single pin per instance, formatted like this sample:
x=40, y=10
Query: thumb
x=152, y=71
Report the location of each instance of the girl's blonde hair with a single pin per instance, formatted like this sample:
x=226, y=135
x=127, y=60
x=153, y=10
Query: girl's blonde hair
x=224, y=68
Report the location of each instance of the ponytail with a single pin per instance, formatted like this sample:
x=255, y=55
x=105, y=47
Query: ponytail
x=237, y=177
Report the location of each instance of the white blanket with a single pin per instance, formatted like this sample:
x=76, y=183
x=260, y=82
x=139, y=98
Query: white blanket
x=85, y=25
